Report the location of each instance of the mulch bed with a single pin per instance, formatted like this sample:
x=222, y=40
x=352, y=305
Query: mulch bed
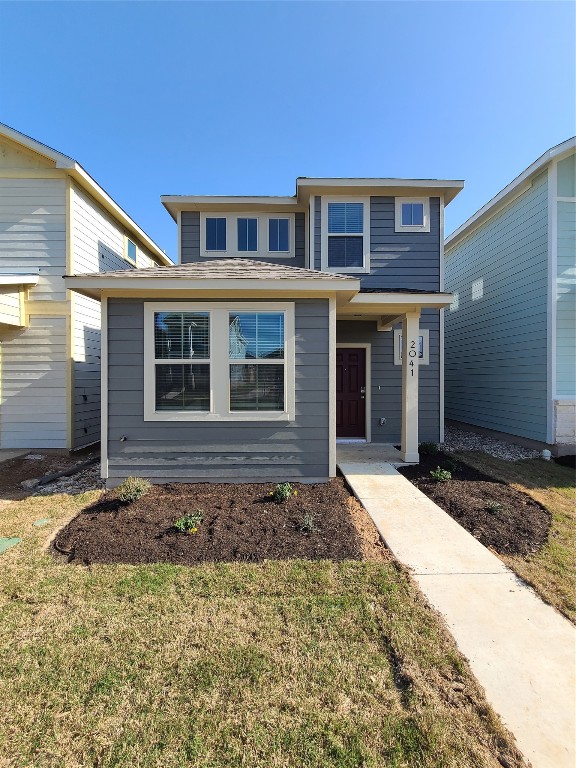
x=240, y=523
x=519, y=526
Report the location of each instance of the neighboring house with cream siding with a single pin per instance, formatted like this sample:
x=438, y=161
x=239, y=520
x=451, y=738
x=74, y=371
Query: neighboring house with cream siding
x=511, y=329
x=54, y=220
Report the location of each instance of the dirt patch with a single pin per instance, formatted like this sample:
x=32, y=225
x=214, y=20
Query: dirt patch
x=508, y=521
x=566, y=461
x=21, y=468
x=240, y=523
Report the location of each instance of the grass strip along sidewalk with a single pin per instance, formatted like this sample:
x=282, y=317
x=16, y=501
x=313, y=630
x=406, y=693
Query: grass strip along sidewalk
x=551, y=570
x=280, y=663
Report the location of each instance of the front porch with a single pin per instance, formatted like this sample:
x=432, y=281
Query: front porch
x=378, y=395
x=367, y=453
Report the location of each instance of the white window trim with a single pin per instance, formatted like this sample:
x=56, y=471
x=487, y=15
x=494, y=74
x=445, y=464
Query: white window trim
x=261, y=234
x=219, y=362
x=365, y=234
x=425, y=334
x=399, y=227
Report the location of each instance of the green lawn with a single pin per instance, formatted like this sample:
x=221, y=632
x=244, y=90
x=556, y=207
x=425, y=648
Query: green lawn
x=284, y=663
x=552, y=571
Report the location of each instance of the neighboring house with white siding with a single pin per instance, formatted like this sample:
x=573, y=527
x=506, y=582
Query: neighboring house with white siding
x=54, y=220
x=511, y=328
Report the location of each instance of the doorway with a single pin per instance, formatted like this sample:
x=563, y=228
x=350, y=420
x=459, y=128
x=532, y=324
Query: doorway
x=351, y=392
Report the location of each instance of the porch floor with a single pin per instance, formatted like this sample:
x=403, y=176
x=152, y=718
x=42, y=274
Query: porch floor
x=371, y=453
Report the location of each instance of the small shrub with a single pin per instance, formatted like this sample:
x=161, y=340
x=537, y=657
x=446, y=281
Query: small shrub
x=132, y=489
x=451, y=465
x=308, y=525
x=441, y=475
x=282, y=492
x=428, y=449
x=189, y=523
x=494, y=507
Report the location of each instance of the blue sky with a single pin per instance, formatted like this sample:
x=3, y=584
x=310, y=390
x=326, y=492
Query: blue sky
x=241, y=98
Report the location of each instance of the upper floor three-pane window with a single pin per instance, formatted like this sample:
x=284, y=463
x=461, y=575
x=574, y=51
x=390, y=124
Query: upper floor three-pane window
x=259, y=235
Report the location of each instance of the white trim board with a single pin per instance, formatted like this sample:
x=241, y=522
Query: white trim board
x=104, y=389
x=551, y=299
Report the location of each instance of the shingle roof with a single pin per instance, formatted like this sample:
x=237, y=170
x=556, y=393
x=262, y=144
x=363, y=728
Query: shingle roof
x=224, y=269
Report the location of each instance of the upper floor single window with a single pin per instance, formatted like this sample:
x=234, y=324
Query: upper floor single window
x=258, y=235
x=412, y=214
x=346, y=240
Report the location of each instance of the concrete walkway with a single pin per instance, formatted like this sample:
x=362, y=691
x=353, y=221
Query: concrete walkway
x=521, y=650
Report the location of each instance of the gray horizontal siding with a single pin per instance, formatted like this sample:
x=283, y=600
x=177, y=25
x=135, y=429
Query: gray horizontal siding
x=402, y=259
x=386, y=379
x=191, y=451
x=496, y=343
x=397, y=259
x=190, y=242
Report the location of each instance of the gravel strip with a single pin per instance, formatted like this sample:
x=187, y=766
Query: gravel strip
x=87, y=480
x=461, y=440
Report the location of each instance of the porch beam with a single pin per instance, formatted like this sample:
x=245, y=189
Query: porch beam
x=410, y=346
x=386, y=322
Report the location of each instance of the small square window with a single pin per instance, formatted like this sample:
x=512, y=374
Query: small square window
x=412, y=215
x=247, y=234
x=216, y=234
x=131, y=251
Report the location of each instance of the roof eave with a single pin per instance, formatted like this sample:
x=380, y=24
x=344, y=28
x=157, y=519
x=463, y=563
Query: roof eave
x=98, y=285
x=516, y=187
x=86, y=181
x=445, y=188
x=177, y=203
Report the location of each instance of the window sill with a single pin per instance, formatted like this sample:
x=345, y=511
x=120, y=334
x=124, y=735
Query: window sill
x=347, y=270
x=217, y=417
x=406, y=228
x=246, y=255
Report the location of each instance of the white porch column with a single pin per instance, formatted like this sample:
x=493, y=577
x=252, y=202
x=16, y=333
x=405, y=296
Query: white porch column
x=410, y=347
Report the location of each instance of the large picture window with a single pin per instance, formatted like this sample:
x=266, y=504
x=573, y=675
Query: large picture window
x=211, y=362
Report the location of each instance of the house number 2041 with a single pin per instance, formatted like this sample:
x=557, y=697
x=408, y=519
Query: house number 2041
x=412, y=352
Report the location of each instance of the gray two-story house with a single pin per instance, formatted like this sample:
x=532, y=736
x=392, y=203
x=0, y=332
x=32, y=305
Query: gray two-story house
x=288, y=324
